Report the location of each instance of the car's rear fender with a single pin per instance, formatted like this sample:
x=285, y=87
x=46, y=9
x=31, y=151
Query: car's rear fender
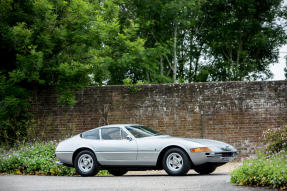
x=79, y=150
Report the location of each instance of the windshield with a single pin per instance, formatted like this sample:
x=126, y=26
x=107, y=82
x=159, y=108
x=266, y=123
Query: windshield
x=139, y=131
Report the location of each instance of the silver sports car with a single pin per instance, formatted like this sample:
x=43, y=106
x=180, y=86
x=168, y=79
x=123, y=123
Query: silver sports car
x=124, y=147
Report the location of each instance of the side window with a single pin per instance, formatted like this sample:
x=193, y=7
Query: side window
x=92, y=134
x=111, y=133
x=124, y=134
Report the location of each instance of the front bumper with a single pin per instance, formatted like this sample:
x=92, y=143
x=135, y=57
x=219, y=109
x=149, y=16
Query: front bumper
x=212, y=157
x=221, y=156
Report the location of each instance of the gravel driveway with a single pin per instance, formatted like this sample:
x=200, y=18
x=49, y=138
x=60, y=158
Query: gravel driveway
x=148, y=180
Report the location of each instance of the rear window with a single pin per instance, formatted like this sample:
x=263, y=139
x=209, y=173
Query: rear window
x=92, y=134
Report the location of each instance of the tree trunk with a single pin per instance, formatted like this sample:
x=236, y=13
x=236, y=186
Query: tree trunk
x=147, y=76
x=174, y=54
x=239, y=73
x=195, y=69
x=161, y=67
x=190, y=70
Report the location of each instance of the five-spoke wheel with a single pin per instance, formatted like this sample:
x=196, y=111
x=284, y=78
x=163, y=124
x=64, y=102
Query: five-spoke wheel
x=176, y=162
x=86, y=163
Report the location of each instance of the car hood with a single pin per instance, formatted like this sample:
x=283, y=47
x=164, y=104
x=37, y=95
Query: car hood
x=215, y=146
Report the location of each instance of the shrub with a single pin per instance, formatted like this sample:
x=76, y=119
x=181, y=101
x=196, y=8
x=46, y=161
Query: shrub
x=269, y=166
x=263, y=170
x=134, y=88
x=34, y=159
x=275, y=139
x=14, y=116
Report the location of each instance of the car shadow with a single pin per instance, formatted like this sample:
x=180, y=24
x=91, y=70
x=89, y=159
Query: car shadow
x=157, y=175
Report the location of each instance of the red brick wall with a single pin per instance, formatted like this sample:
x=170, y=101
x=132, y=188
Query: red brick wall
x=234, y=112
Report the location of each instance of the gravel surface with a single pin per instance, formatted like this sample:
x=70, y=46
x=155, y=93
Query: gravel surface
x=147, y=180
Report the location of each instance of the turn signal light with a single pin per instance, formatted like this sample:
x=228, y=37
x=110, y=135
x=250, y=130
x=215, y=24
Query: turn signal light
x=201, y=149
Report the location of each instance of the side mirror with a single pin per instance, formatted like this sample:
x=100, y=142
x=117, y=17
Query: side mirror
x=129, y=138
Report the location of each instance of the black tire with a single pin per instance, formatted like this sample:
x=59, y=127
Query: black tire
x=182, y=160
x=92, y=164
x=205, y=169
x=117, y=172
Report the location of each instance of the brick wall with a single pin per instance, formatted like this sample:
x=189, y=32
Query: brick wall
x=234, y=112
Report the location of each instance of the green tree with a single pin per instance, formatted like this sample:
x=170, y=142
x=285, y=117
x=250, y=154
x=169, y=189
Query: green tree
x=61, y=44
x=153, y=27
x=161, y=24
x=243, y=38
x=213, y=40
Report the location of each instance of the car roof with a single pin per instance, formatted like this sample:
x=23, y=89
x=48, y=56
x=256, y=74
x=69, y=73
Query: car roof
x=119, y=125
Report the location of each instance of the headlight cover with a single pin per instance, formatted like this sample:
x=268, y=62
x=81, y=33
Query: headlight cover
x=200, y=149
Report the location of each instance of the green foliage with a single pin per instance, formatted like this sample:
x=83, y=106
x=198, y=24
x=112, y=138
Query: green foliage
x=268, y=167
x=125, y=56
x=264, y=170
x=14, y=116
x=216, y=40
x=35, y=159
x=133, y=88
x=61, y=44
x=42, y=44
x=243, y=37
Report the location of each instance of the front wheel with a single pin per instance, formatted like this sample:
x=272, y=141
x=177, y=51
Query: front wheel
x=117, y=172
x=205, y=169
x=176, y=162
x=86, y=163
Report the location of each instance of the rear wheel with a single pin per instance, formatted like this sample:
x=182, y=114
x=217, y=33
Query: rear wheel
x=205, y=169
x=176, y=162
x=117, y=172
x=86, y=163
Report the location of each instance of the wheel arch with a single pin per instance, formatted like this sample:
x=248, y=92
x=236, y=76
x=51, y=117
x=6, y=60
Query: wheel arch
x=79, y=150
x=164, y=150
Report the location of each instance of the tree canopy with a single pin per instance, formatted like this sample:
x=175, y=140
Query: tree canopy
x=61, y=44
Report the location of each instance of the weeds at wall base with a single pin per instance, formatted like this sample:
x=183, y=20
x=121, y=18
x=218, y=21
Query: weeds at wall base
x=34, y=158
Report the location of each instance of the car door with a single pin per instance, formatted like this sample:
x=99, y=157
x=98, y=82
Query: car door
x=114, y=148
x=148, y=151
x=148, y=146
